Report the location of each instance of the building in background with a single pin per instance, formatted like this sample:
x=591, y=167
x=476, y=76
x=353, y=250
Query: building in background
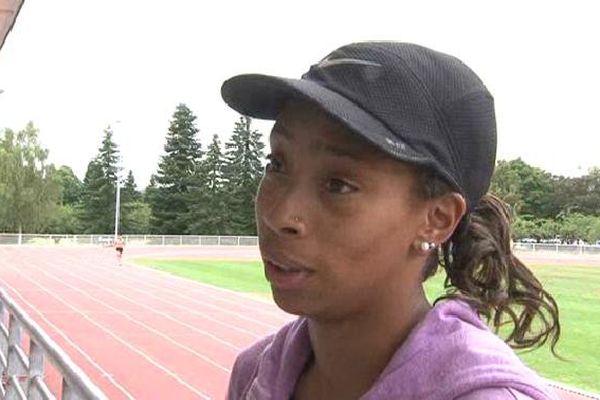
x=9, y=10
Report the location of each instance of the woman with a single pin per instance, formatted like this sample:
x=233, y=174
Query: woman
x=119, y=246
x=382, y=156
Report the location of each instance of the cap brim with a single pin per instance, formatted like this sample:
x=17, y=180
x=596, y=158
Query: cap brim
x=263, y=97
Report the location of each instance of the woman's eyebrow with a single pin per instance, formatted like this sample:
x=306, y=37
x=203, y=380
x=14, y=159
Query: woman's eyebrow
x=348, y=151
x=338, y=151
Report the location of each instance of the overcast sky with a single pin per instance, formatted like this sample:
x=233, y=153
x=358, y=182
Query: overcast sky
x=73, y=67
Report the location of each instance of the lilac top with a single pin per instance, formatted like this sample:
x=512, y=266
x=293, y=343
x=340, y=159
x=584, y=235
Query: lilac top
x=450, y=354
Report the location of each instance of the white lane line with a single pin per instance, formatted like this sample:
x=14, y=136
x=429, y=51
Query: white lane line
x=204, y=257
x=231, y=296
x=177, y=305
x=66, y=338
x=161, y=299
x=172, y=292
x=117, y=276
x=250, y=303
x=123, y=342
x=151, y=309
x=256, y=307
x=142, y=324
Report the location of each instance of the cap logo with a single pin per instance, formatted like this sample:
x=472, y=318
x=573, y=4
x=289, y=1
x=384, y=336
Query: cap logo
x=338, y=61
x=397, y=145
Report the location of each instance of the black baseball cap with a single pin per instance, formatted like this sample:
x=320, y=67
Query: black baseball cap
x=418, y=105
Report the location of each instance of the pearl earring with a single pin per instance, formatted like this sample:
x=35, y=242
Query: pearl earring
x=426, y=246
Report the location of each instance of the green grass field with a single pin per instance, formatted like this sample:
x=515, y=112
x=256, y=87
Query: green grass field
x=576, y=289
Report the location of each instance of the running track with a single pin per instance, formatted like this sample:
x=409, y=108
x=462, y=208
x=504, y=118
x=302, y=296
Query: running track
x=137, y=332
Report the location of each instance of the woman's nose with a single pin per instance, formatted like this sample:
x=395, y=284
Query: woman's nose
x=285, y=214
x=286, y=225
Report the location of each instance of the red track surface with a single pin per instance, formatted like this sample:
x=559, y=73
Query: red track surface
x=137, y=332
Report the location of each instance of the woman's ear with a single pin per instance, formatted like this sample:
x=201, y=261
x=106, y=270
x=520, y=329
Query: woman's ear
x=443, y=215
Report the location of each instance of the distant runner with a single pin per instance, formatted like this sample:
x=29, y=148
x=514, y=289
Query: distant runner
x=119, y=246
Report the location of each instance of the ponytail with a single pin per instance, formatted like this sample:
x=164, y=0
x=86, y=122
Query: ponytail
x=482, y=270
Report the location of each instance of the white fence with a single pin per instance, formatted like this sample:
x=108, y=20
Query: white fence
x=22, y=367
x=130, y=240
x=566, y=249
x=205, y=240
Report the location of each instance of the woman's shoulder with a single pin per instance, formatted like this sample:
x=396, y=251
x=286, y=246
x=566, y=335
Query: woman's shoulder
x=495, y=394
x=452, y=353
x=245, y=366
x=473, y=359
x=266, y=357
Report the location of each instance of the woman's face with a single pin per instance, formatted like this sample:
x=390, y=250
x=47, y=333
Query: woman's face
x=336, y=219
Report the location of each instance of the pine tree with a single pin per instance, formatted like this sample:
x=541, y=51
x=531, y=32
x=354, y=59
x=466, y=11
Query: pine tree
x=129, y=191
x=108, y=156
x=93, y=214
x=242, y=174
x=99, y=187
x=207, y=213
x=169, y=197
x=131, y=203
x=150, y=197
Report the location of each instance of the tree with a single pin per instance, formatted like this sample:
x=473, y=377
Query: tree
x=527, y=190
x=64, y=220
x=71, y=186
x=564, y=190
x=93, y=212
x=134, y=212
x=578, y=195
x=108, y=157
x=524, y=228
x=576, y=226
x=242, y=174
x=538, y=228
x=169, y=195
x=585, y=196
x=97, y=208
x=130, y=192
x=207, y=212
x=594, y=231
x=548, y=228
x=28, y=190
x=138, y=218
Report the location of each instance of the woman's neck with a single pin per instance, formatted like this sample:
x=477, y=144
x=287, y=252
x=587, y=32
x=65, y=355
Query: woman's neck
x=350, y=354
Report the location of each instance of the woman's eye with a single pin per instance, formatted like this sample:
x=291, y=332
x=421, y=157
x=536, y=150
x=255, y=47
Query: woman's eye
x=273, y=165
x=339, y=187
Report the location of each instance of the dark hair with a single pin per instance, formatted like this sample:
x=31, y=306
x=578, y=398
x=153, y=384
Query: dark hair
x=482, y=270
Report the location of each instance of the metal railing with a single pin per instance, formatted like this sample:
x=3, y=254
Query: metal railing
x=23, y=370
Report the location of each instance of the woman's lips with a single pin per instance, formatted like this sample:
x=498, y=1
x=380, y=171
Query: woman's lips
x=285, y=276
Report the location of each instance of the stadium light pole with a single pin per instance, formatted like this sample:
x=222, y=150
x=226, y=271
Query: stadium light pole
x=117, y=208
x=117, y=200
